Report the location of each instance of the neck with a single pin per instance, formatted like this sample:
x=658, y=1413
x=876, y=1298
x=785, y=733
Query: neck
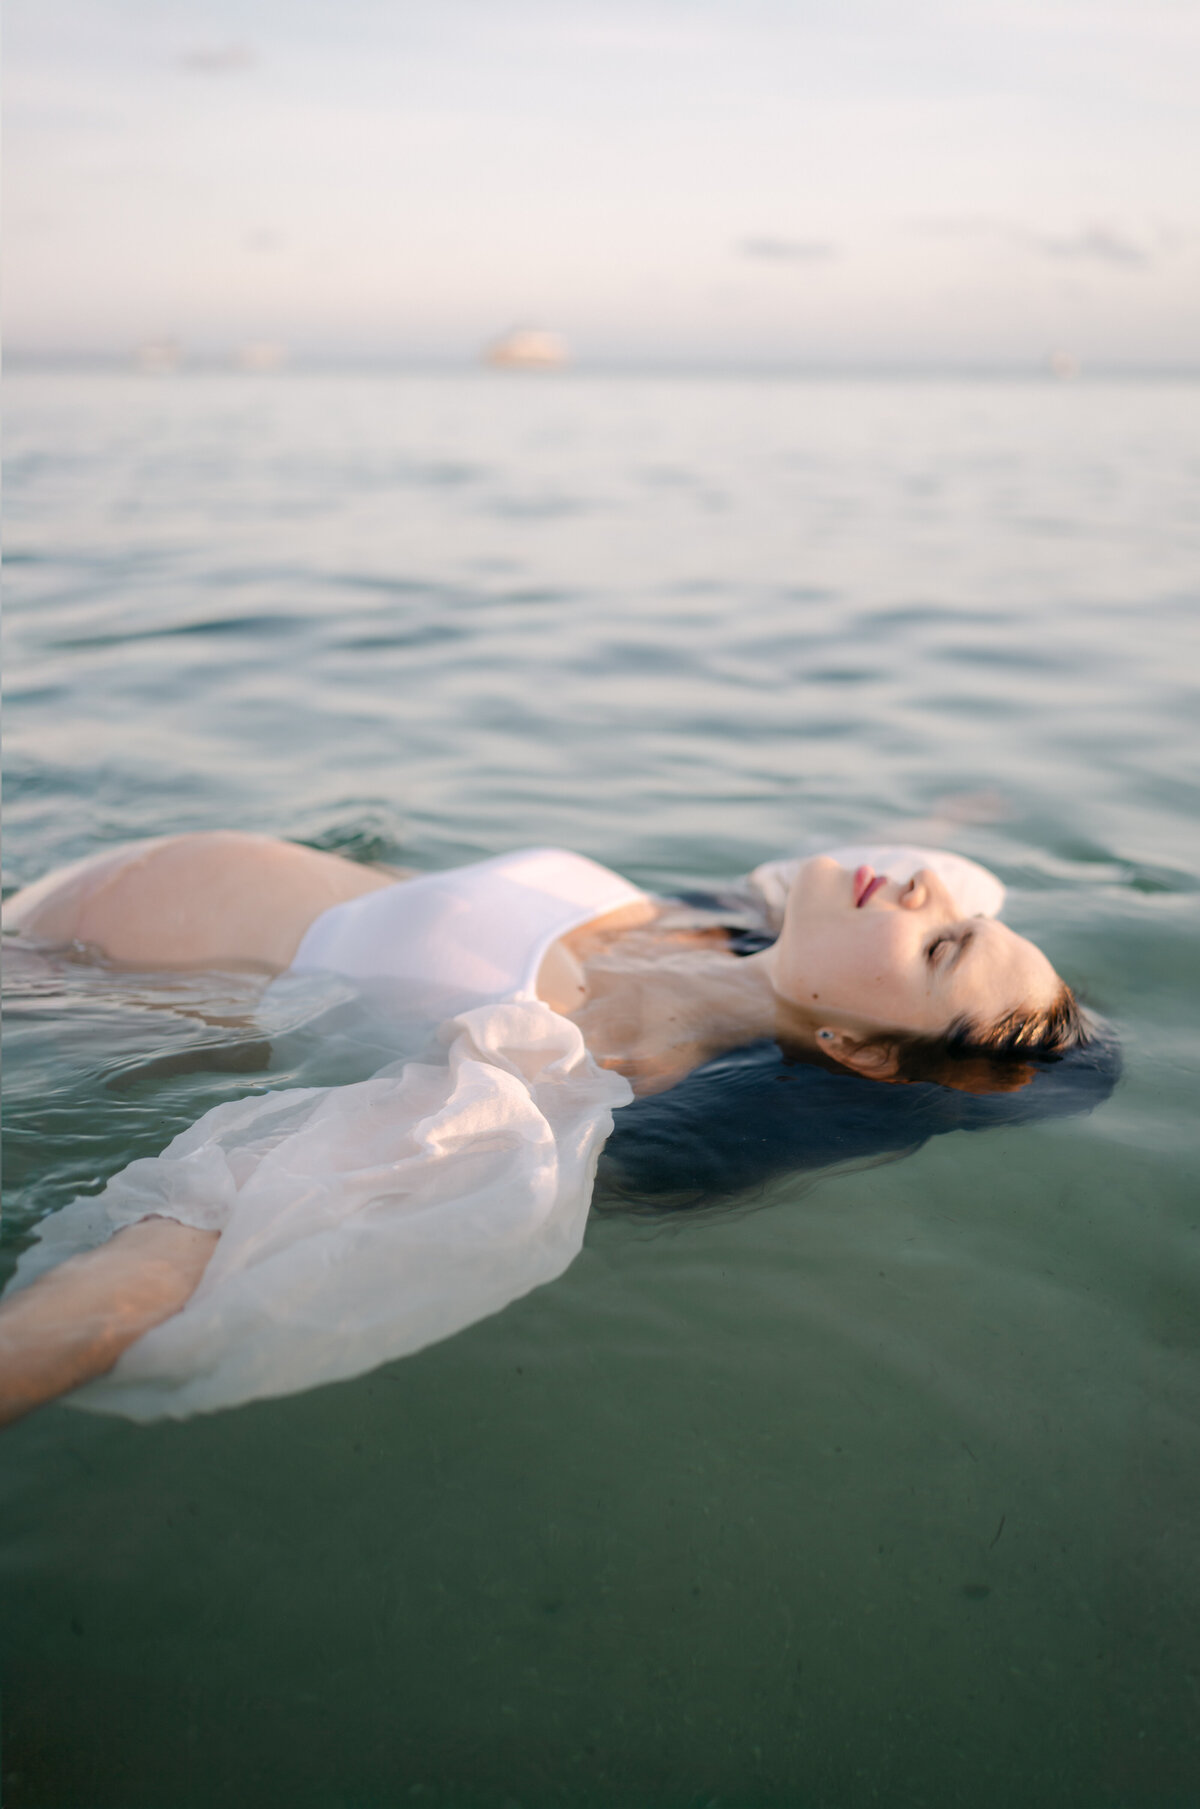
x=787, y=1022
x=658, y=1018
x=739, y=1001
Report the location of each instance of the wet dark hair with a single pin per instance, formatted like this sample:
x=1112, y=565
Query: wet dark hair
x=763, y=1111
x=1037, y=1030
x=994, y=1057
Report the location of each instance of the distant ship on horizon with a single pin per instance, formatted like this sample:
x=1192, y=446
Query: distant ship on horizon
x=527, y=349
x=261, y=355
x=1063, y=365
x=158, y=357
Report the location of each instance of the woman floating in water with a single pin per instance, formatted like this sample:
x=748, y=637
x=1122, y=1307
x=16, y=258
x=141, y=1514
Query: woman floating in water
x=304, y=1235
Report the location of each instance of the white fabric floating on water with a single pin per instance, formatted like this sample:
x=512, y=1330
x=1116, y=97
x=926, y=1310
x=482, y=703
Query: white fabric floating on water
x=360, y=1223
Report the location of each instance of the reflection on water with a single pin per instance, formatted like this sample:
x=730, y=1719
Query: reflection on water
x=882, y=1491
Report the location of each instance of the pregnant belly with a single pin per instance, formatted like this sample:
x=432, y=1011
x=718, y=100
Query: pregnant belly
x=212, y=899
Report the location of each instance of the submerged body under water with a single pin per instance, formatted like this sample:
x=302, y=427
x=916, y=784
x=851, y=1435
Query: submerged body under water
x=876, y=1487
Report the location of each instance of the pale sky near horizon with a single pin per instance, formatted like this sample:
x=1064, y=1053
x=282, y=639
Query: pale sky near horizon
x=816, y=181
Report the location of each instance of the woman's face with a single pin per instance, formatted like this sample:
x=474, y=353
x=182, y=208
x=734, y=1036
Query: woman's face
x=860, y=946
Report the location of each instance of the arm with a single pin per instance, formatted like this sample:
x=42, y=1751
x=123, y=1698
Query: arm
x=75, y=1321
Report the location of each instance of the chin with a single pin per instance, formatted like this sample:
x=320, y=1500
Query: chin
x=820, y=881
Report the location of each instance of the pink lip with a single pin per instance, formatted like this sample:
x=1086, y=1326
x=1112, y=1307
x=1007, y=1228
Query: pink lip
x=866, y=883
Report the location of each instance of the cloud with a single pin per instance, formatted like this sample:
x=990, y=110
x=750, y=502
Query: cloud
x=788, y=251
x=218, y=59
x=1094, y=244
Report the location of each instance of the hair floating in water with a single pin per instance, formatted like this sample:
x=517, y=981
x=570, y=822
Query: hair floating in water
x=756, y=1113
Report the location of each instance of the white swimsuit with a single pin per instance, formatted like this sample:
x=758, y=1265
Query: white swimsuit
x=480, y=932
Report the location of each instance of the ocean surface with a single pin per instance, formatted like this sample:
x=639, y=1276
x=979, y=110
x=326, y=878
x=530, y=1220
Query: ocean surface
x=878, y=1490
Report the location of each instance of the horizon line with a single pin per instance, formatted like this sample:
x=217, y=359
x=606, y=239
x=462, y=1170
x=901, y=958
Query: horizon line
x=1048, y=367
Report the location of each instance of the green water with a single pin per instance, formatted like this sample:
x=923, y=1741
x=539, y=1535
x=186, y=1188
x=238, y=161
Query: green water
x=884, y=1491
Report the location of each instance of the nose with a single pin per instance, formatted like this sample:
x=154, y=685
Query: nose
x=923, y=888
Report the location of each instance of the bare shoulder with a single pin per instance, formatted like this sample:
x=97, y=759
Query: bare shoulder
x=212, y=897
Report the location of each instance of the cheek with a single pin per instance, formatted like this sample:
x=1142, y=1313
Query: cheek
x=867, y=961
x=831, y=966
x=888, y=961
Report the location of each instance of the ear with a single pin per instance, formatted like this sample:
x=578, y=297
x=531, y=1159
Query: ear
x=873, y=1060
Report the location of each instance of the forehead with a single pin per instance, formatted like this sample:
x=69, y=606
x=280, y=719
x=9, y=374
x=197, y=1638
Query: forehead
x=1000, y=971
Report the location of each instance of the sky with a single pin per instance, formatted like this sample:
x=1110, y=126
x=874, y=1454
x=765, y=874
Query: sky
x=810, y=182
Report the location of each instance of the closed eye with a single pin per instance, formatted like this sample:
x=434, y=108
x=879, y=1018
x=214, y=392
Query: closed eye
x=959, y=943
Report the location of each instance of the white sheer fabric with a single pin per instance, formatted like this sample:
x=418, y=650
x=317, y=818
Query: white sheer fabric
x=359, y=1223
